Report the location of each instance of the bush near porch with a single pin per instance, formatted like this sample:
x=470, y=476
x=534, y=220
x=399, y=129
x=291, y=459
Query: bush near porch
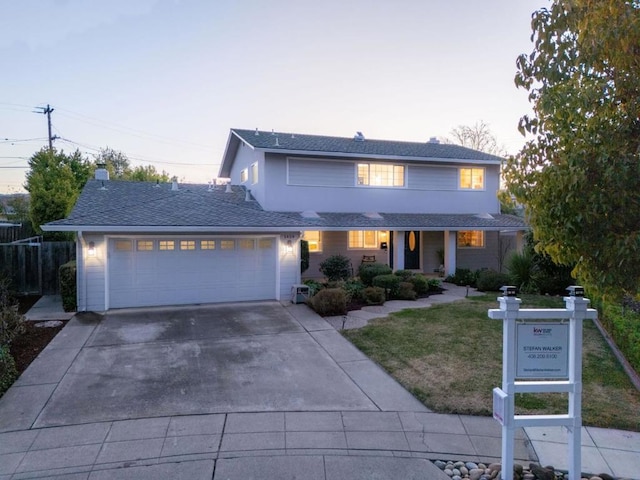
x=374, y=284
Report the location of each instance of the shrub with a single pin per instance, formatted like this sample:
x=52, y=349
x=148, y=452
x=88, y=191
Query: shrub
x=405, y=275
x=336, y=267
x=68, y=289
x=623, y=324
x=492, y=281
x=314, y=286
x=354, y=289
x=406, y=291
x=368, y=271
x=435, y=285
x=329, y=301
x=420, y=284
x=390, y=283
x=8, y=371
x=463, y=277
x=373, y=295
x=520, y=268
x=11, y=322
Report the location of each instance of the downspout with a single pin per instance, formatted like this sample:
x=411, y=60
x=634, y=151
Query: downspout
x=83, y=244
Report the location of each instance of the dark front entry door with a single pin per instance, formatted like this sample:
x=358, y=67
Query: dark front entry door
x=412, y=250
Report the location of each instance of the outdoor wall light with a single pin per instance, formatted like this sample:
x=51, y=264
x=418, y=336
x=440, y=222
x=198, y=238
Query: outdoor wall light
x=289, y=246
x=92, y=249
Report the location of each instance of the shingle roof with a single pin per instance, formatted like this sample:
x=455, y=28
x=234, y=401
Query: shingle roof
x=127, y=206
x=301, y=144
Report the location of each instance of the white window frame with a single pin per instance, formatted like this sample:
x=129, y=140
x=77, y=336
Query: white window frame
x=244, y=175
x=254, y=173
x=362, y=244
x=472, y=187
x=366, y=183
x=479, y=233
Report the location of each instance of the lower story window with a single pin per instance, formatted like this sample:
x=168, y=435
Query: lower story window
x=471, y=239
x=363, y=239
x=314, y=239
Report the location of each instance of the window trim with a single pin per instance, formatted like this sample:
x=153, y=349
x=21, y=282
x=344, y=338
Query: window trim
x=482, y=238
x=393, y=166
x=364, y=247
x=254, y=173
x=244, y=175
x=471, y=188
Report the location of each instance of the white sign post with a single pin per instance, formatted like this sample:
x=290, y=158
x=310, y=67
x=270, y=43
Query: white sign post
x=547, y=352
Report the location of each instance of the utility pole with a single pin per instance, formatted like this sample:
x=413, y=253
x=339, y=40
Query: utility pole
x=47, y=111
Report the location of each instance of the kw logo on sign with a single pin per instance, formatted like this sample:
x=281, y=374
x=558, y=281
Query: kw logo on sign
x=541, y=332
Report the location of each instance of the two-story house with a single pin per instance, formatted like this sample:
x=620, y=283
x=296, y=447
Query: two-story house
x=412, y=205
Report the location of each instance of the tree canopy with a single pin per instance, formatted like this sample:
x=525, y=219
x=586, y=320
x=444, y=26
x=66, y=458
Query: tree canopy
x=119, y=167
x=578, y=175
x=479, y=137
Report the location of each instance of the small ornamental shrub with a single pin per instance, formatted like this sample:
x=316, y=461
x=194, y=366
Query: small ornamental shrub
x=314, y=286
x=623, y=324
x=354, y=289
x=390, y=283
x=8, y=371
x=435, y=285
x=521, y=271
x=463, y=277
x=373, y=295
x=68, y=289
x=336, y=267
x=329, y=302
x=406, y=291
x=420, y=284
x=492, y=281
x=405, y=275
x=368, y=271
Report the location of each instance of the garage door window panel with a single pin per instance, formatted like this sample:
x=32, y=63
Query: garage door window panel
x=166, y=245
x=187, y=244
x=207, y=244
x=145, y=245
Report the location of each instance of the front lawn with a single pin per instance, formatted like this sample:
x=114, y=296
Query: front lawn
x=450, y=357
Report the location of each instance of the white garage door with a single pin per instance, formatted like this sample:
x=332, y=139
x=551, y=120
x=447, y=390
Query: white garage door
x=146, y=271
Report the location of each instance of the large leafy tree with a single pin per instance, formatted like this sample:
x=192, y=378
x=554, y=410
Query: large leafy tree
x=54, y=182
x=579, y=174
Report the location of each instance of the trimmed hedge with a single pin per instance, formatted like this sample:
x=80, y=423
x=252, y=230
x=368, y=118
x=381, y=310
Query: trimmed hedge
x=368, y=271
x=336, y=267
x=492, y=281
x=623, y=325
x=68, y=288
x=329, y=301
x=390, y=283
x=420, y=284
x=373, y=295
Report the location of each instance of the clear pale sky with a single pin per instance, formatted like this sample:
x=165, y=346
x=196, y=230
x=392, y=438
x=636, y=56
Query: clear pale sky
x=164, y=80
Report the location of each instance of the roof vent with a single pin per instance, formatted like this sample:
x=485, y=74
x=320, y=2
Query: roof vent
x=373, y=215
x=486, y=216
x=103, y=187
x=434, y=140
x=257, y=134
x=157, y=185
x=277, y=144
x=273, y=132
x=309, y=214
x=228, y=188
x=174, y=184
x=247, y=196
x=210, y=189
x=358, y=137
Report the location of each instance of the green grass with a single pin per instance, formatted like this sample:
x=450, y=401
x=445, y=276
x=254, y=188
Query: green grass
x=450, y=357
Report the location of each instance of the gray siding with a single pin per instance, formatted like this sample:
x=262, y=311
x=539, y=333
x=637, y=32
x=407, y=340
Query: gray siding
x=431, y=243
x=320, y=173
x=432, y=178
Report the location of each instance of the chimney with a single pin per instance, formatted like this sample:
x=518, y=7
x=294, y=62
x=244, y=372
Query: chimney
x=434, y=140
x=174, y=184
x=101, y=172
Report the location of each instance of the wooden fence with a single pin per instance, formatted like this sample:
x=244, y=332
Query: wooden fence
x=32, y=266
x=14, y=233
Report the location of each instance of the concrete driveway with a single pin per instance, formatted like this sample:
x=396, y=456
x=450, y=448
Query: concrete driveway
x=245, y=357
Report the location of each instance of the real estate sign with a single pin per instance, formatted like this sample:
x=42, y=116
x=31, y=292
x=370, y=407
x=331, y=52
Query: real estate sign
x=542, y=350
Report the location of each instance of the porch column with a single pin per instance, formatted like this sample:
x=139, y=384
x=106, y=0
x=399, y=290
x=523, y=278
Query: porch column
x=398, y=250
x=450, y=243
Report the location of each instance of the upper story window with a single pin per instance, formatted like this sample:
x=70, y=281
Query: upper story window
x=472, y=178
x=363, y=239
x=254, y=172
x=471, y=239
x=314, y=239
x=380, y=175
x=244, y=175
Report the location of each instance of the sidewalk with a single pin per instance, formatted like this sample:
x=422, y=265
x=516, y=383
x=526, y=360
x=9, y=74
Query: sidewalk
x=273, y=445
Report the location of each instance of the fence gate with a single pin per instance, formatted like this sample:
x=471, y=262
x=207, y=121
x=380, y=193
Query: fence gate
x=32, y=265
